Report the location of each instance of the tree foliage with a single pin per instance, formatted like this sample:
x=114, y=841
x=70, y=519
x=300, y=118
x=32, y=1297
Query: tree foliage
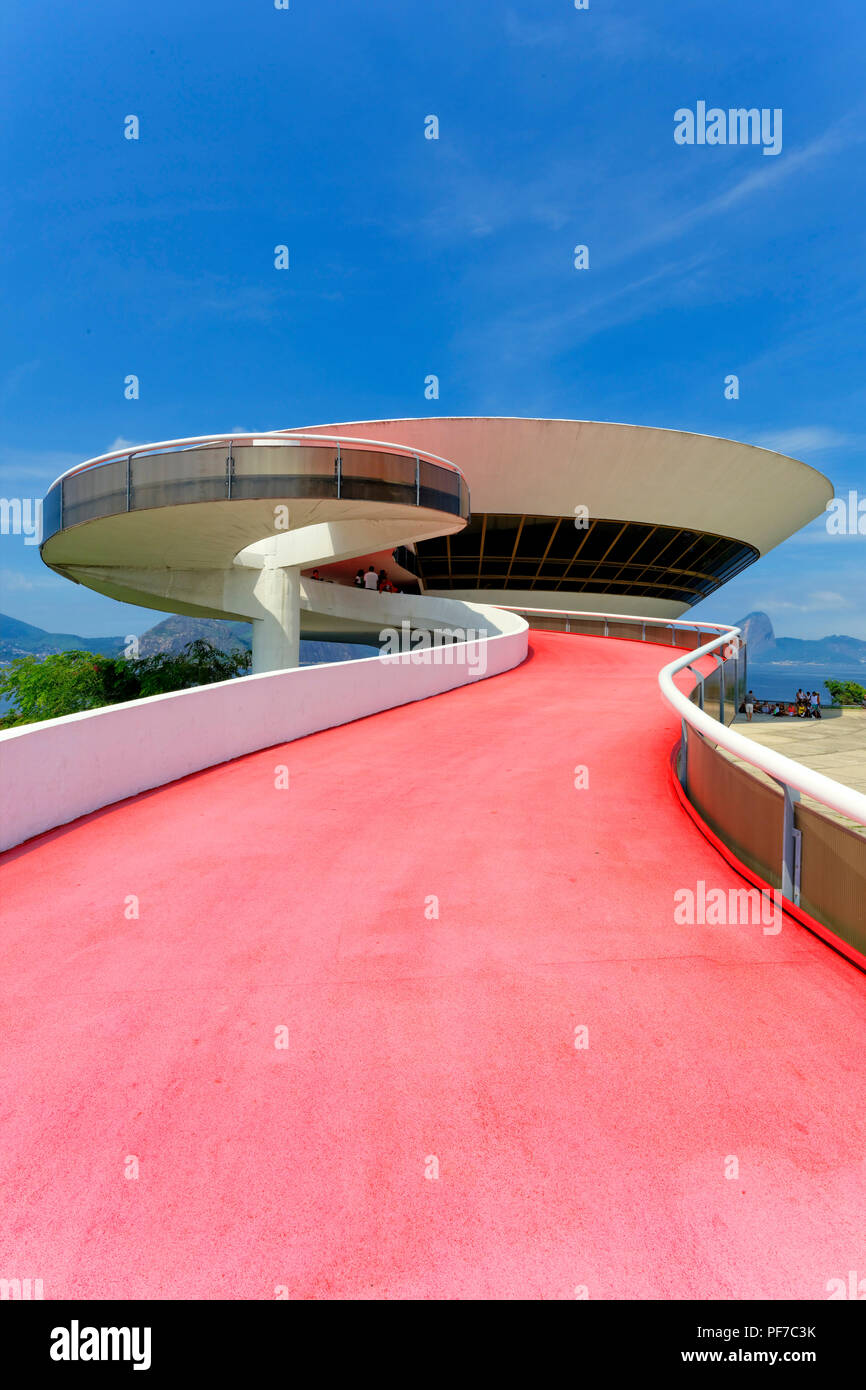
x=846, y=692
x=68, y=682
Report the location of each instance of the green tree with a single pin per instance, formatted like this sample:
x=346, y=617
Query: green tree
x=846, y=692
x=200, y=663
x=68, y=682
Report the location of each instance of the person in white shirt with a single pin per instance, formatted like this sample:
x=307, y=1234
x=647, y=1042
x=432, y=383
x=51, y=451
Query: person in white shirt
x=371, y=579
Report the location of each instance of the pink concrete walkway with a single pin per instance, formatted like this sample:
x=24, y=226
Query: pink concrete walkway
x=420, y=1043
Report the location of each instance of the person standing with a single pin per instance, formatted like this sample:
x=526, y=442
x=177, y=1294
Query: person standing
x=750, y=705
x=371, y=579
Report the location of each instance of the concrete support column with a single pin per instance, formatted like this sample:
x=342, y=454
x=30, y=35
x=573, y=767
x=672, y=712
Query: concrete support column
x=276, y=635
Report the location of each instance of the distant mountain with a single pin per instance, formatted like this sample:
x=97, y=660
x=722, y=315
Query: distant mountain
x=758, y=633
x=171, y=635
x=766, y=648
x=21, y=639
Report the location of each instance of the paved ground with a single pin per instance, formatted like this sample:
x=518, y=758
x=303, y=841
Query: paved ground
x=419, y=1044
x=835, y=745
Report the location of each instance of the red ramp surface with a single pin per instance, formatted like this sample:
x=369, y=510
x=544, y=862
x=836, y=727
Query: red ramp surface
x=310, y=1169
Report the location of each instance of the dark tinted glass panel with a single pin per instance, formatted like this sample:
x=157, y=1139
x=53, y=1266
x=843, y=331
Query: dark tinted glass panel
x=273, y=470
x=94, y=492
x=390, y=468
x=625, y=558
x=166, y=480
x=51, y=512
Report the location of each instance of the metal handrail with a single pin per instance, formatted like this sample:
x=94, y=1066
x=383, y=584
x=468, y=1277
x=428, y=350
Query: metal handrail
x=277, y=436
x=787, y=771
x=845, y=800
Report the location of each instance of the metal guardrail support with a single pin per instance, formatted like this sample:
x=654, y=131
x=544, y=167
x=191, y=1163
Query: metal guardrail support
x=128, y=486
x=230, y=469
x=721, y=671
x=699, y=684
x=417, y=481
x=791, y=846
x=684, y=753
x=745, y=650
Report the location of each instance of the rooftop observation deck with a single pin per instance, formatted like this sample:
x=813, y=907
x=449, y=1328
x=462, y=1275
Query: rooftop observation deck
x=414, y=1037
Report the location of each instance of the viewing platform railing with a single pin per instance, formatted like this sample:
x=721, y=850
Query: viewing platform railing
x=279, y=464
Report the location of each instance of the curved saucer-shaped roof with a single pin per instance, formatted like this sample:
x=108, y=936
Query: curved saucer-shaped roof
x=628, y=472
x=665, y=516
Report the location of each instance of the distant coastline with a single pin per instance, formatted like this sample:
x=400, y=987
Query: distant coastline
x=781, y=680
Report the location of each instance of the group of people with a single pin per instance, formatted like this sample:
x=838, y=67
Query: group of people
x=366, y=579
x=806, y=705
x=369, y=579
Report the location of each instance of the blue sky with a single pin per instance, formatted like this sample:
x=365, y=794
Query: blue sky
x=411, y=256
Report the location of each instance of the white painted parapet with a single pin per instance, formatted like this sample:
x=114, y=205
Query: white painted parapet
x=53, y=772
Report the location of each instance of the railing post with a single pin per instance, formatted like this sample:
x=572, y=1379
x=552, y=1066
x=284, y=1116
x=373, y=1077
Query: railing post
x=745, y=652
x=338, y=467
x=684, y=755
x=418, y=482
x=700, y=684
x=605, y=627
x=129, y=482
x=643, y=632
x=722, y=693
x=230, y=468
x=791, y=846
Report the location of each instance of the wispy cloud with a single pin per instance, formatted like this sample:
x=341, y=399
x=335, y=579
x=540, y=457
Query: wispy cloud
x=764, y=179
x=819, y=601
x=14, y=380
x=42, y=465
x=616, y=39
x=571, y=197
x=808, y=439
x=15, y=582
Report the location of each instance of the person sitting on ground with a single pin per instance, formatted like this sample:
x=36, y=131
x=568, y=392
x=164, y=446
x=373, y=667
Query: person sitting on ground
x=750, y=705
x=359, y=580
x=778, y=712
x=371, y=579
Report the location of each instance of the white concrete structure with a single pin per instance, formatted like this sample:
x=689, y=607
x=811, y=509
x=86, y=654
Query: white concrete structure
x=671, y=514
x=223, y=527
x=104, y=755
x=566, y=514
